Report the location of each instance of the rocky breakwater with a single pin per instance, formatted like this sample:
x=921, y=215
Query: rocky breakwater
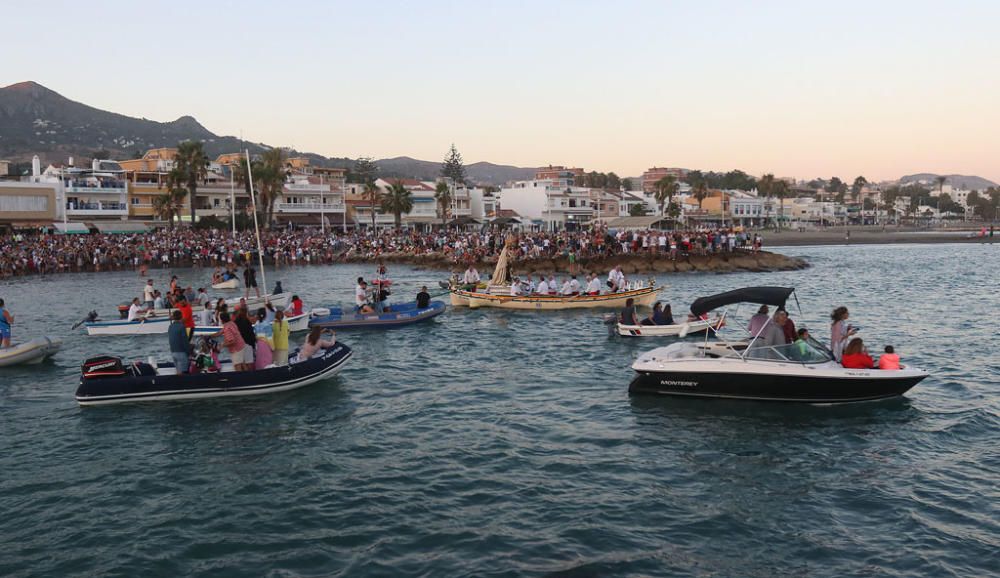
x=762, y=261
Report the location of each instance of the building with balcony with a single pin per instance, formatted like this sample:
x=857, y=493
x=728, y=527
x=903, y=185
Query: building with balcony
x=98, y=192
x=312, y=200
x=552, y=173
x=550, y=203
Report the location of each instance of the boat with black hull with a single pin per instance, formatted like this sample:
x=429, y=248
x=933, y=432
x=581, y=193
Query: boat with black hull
x=107, y=379
x=397, y=316
x=804, y=371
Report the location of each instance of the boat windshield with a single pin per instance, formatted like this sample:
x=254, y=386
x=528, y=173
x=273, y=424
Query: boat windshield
x=802, y=351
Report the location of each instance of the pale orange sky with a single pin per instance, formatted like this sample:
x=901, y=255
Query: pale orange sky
x=797, y=89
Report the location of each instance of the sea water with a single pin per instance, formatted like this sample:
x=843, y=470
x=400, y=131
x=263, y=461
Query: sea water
x=504, y=443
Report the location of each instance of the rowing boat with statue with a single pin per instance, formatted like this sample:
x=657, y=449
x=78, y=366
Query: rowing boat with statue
x=498, y=294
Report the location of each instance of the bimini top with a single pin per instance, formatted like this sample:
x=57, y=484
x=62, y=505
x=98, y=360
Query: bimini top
x=762, y=295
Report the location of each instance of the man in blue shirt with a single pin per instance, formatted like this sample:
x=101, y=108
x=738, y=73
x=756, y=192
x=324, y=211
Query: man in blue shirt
x=177, y=335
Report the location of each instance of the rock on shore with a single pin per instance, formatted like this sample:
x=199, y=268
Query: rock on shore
x=631, y=264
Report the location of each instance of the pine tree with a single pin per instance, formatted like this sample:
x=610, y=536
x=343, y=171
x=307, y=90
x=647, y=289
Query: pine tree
x=452, y=167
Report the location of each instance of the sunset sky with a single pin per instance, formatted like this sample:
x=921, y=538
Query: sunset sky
x=801, y=89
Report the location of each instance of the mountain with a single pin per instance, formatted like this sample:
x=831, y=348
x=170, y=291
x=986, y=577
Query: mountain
x=37, y=120
x=965, y=182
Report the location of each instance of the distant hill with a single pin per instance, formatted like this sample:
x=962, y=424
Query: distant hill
x=967, y=182
x=36, y=120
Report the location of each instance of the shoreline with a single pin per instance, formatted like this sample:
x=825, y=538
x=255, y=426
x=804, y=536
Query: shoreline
x=872, y=236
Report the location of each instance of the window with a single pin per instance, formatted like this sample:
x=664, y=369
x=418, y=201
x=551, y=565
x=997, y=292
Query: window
x=24, y=203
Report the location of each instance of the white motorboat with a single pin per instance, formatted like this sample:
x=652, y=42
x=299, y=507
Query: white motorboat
x=160, y=324
x=804, y=371
x=233, y=283
x=34, y=351
x=278, y=300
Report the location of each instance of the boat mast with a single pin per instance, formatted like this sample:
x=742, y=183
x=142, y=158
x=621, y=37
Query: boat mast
x=256, y=227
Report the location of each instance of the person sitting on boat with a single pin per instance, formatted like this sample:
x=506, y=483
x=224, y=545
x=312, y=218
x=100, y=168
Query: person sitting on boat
x=616, y=279
x=574, y=285
x=627, y=315
x=297, y=307
x=216, y=276
x=423, y=298
x=279, y=337
x=201, y=297
x=179, y=345
x=6, y=320
x=594, y=286
x=361, y=298
x=855, y=356
x=158, y=302
x=785, y=324
x=565, y=290
x=543, y=286
x=278, y=289
x=800, y=347
x=889, y=359
x=553, y=288
x=313, y=343
x=135, y=311
x=207, y=359
x=515, y=287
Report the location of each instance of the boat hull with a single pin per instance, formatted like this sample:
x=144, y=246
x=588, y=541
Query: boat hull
x=279, y=301
x=227, y=285
x=643, y=297
x=853, y=386
x=160, y=325
x=405, y=315
x=208, y=385
x=30, y=352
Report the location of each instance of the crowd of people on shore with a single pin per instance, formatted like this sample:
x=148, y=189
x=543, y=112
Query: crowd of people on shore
x=30, y=254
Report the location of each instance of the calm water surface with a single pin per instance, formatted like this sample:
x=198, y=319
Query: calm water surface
x=502, y=443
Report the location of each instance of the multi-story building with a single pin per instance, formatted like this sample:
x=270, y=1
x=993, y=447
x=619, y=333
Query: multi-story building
x=316, y=199
x=549, y=173
x=654, y=174
x=98, y=192
x=553, y=203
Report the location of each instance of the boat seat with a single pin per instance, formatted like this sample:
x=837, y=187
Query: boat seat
x=681, y=351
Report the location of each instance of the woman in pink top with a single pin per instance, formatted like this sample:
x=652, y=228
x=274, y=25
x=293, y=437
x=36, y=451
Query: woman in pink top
x=889, y=359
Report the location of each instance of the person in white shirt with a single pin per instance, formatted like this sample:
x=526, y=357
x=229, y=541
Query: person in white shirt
x=471, y=276
x=361, y=297
x=207, y=315
x=202, y=296
x=543, y=287
x=135, y=311
x=515, y=288
x=574, y=286
x=148, y=293
x=594, y=286
x=617, y=279
x=565, y=290
x=529, y=285
x=553, y=288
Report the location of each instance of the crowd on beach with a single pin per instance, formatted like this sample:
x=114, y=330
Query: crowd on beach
x=28, y=254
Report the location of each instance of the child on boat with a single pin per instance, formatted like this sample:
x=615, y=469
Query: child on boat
x=889, y=359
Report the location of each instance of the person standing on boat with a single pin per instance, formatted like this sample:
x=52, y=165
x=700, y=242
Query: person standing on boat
x=840, y=331
x=758, y=321
x=233, y=342
x=206, y=316
x=201, y=297
x=248, y=335
x=6, y=320
x=149, y=293
x=471, y=277
x=187, y=315
x=423, y=298
x=616, y=279
x=250, y=280
x=787, y=326
x=279, y=335
x=179, y=346
x=296, y=308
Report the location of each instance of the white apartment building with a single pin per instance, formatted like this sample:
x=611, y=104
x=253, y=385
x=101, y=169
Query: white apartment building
x=553, y=203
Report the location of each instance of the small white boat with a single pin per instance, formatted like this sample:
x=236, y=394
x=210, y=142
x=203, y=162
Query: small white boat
x=233, y=283
x=34, y=351
x=695, y=327
x=160, y=324
x=279, y=301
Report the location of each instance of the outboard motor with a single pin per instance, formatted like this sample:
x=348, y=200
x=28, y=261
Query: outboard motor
x=611, y=320
x=102, y=367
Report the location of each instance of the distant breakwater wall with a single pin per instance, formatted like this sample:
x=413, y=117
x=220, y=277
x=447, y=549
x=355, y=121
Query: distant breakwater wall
x=633, y=264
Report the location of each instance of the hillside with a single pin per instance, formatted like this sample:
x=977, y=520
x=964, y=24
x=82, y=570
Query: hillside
x=37, y=120
x=967, y=182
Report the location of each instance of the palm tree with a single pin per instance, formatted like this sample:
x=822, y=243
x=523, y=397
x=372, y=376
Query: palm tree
x=700, y=192
x=397, y=200
x=168, y=205
x=780, y=190
x=270, y=175
x=765, y=186
x=442, y=194
x=859, y=183
x=371, y=195
x=666, y=188
x=190, y=166
x=940, y=181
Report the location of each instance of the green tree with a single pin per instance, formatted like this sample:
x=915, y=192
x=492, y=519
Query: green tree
x=859, y=183
x=442, y=194
x=452, y=167
x=666, y=188
x=765, y=186
x=365, y=171
x=700, y=192
x=168, y=205
x=270, y=176
x=940, y=180
x=614, y=183
x=637, y=210
x=627, y=183
x=190, y=166
x=780, y=190
x=397, y=200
